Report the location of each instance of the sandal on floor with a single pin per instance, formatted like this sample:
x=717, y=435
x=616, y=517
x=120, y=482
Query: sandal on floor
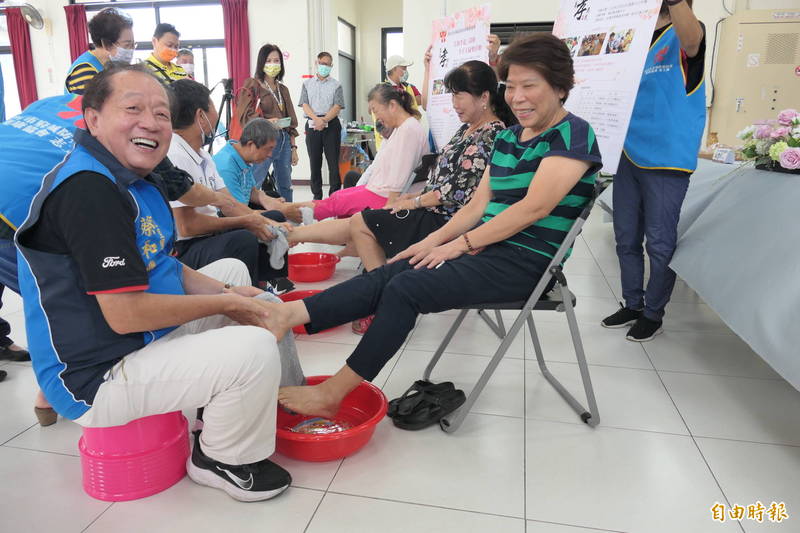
x=430, y=409
x=406, y=403
x=46, y=416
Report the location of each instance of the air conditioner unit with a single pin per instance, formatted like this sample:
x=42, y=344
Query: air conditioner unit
x=757, y=70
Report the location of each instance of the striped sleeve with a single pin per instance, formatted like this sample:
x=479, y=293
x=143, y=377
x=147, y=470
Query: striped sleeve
x=575, y=139
x=79, y=76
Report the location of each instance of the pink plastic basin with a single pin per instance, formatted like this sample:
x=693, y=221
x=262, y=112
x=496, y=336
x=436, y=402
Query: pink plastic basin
x=139, y=459
x=309, y=267
x=363, y=408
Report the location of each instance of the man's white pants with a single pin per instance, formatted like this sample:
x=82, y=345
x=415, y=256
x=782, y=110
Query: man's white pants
x=232, y=370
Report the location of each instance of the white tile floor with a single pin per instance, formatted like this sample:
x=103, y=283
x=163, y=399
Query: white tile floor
x=690, y=419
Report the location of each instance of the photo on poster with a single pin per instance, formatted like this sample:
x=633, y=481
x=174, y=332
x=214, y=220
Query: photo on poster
x=572, y=44
x=619, y=41
x=592, y=44
x=438, y=87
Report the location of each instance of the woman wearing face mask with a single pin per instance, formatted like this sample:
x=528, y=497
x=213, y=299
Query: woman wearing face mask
x=112, y=36
x=166, y=44
x=264, y=95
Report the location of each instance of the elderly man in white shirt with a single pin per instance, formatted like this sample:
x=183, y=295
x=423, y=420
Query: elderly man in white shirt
x=204, y=236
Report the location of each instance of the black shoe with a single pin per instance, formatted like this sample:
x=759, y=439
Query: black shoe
x=247, y=483
x=644, y=330
x=6, y=353
x=281, y=285
x=3, y=375
x=620, y=319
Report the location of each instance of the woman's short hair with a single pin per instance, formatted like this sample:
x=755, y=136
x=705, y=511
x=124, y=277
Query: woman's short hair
x=385, y=93
x=189, y=97
x=258, y=131
x=476, y=78
x=546, y=54
x=106, y=26
x=98, y=89
x=265, y=51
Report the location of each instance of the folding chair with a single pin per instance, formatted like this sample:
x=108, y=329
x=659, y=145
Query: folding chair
x=560, y=299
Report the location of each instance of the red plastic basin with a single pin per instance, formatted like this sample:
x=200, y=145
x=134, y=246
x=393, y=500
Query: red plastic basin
x=363, y=408
x=309, y=267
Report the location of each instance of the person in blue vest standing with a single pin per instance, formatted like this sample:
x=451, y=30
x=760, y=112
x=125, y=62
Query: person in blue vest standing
x=659, y=156
x=112, y=35
x=118, y=328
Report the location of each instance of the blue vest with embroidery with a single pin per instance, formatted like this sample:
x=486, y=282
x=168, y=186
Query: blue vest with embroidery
x=668, y=121
x=71, y=344
x=86, y=57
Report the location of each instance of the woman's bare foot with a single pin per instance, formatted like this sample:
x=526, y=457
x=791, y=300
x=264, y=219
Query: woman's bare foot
x=314, y=400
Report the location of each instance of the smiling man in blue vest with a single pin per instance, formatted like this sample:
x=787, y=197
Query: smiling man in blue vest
x=660, y=154
x=118, y=328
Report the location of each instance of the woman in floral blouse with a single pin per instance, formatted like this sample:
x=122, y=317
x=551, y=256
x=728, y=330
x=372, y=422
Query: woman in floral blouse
x=452, y=180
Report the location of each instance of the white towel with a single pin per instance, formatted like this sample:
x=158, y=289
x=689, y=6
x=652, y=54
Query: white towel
x=308, y=215
x=277, y=247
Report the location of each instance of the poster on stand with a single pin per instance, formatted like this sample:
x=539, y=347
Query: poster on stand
x=609, y=41
x=456, y=39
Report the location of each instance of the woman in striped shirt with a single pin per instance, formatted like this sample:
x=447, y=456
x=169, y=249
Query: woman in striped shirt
x=495, y=249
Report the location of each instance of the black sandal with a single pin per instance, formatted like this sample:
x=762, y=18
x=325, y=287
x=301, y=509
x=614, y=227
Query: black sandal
x=406, y=403
x=430, y=409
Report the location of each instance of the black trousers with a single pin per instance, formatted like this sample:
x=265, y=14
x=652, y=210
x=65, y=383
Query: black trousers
x=327, y=141
x=396, y=294
x=239, y=244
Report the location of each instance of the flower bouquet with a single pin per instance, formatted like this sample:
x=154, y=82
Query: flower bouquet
x=774, y=144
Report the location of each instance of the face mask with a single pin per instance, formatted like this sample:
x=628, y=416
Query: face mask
x=272, y=70
x=324, y=70
x=208, y=138
x=167, y=54
x=124, y=55
x=404, y=77
x=189, y=68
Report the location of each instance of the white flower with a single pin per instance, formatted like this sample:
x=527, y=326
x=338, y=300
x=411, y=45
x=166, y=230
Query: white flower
x=796, y=133
x=746, y=133
x=762, y=146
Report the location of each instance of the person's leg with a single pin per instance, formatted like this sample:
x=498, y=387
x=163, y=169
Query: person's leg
x=367, y=247
x=282, y=165
x=314, y=147
x=629, y=232
x=499, y=273
x=347, y=202
x=239, y=244
x=332, y=146
x=327, y=232
x=663, y=197
x=233, y=371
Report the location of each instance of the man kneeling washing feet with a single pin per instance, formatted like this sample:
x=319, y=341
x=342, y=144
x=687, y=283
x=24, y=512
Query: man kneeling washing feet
x=118, y=328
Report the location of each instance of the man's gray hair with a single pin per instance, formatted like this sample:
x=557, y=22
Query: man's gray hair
x=259, y=131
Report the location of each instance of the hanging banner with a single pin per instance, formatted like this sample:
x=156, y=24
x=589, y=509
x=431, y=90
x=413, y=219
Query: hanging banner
x=456, y=39
x=609, y=41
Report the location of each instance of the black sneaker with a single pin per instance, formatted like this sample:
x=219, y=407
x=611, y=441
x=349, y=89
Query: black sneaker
x=247, y=483
x=3, y=375
x=281, y=285
x=644, y=330
x=620, y=319
x=7, y=354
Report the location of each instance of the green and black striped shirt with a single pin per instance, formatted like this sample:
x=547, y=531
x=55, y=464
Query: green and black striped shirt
x=513, y=168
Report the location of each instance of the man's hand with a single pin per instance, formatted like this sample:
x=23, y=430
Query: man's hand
x=257, y=225
x=291, y=212
x=285, y=225
x=248, y=291
x=319, y=124
x=428, y=55
x=246, y=311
